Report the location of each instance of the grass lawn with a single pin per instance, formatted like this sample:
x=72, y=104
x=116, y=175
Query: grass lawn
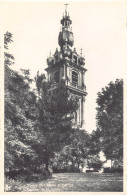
x=81, y=182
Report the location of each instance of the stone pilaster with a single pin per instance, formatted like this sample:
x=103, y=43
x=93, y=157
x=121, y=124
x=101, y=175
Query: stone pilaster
x=83, y=111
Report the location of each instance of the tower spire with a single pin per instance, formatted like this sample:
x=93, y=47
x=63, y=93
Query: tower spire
x=66, y=35
x=66, y=8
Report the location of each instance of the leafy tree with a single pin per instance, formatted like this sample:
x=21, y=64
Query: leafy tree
x=95, y=142
x=110, y=119
x=20, y=103
x=35, y=126
x=80, y=147
x=76, y=153
x=55, y=112
x=8, y=58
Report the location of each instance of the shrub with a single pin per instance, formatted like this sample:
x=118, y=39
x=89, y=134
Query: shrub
x=11, y=185
x=28, y=175
x=113, y=170
x=38, y=176
x=107, y=170
x=91, y=171
x=67, y=169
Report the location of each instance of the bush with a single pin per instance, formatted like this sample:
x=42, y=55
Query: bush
x=113, y=170
x=16, y=174
x=89, y=171
x=67, y=169
x=11, y=185
x=38, y=175
x=107, y=170
x=28, y=175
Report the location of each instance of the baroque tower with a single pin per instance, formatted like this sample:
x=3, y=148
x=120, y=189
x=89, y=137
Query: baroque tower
x=68, y=65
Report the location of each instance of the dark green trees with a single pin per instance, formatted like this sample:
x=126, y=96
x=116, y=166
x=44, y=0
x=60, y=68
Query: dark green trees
x=55, y=111
x=37, y=123
x=20, y=103
x=110, y=119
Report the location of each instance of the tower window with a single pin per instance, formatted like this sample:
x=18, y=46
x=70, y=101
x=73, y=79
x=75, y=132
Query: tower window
x=74, y=78
x=66, y=23
x=57, y=77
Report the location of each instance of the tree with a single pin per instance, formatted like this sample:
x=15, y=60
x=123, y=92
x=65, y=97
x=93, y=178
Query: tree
x=54, y=118
x=8, y=58
x=20, y=102
x=75, y=154
x=110, y=119
x=80, y=147
x=95, y=142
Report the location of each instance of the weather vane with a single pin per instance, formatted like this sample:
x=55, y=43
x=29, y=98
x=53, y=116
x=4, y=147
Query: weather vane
x=66, y=7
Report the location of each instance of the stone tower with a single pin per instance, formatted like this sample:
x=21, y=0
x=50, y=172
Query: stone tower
x=68, y=65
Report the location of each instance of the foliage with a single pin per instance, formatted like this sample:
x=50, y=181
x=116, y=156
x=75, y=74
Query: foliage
x=94, y=162
x=8, y=58
x=55, y=111
x=20, y=103
x=95, y=142
x=75, y=154
x=110, y=119
x=12, y=186
x=36, y=126
x=113, y=170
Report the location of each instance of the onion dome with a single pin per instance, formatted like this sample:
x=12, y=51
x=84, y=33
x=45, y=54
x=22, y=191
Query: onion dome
x=56, y=55
x=81, y=59
x=50, y=60
x=66, y=35
x=74, y=51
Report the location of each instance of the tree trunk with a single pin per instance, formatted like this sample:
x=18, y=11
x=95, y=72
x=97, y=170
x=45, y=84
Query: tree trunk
x=47, y=165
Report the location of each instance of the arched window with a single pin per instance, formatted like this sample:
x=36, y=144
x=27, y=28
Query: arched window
x=57, y=77
x=65, y=24
x=74, y=78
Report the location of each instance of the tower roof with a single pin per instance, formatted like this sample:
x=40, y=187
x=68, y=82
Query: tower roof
x=66, y=37
x=66, y=42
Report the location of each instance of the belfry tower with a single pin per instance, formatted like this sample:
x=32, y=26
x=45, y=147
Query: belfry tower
x=68, y=65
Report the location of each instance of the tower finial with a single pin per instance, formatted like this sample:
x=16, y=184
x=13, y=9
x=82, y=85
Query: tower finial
x=66, y=8
x=81, y=52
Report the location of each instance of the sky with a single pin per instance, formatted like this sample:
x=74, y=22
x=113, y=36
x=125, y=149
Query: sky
x=99, y=29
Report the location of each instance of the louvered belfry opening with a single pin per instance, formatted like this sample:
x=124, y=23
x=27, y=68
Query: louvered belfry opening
x=57, y=77
x=74, y=78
